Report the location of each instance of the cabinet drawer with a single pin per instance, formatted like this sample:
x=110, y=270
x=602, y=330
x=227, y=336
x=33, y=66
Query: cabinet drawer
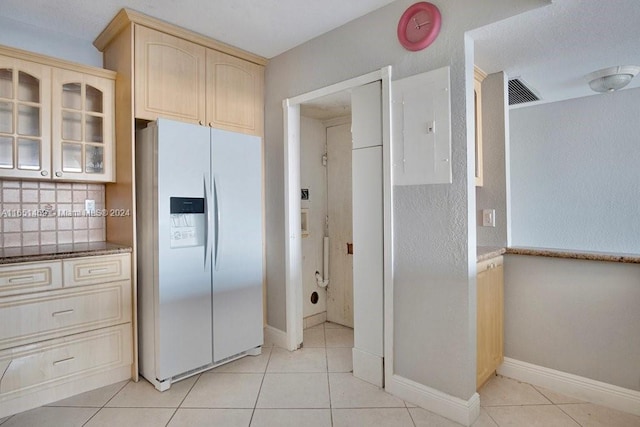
x=93, y=270
x=30, y=277
x=25, y=319
x=32, y=367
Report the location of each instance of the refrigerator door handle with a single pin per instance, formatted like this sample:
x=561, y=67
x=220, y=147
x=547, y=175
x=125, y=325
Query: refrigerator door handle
x=207, y=220
x=217, y=210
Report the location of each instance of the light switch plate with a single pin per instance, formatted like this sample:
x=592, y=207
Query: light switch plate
x=488, y=217
x=90, y=206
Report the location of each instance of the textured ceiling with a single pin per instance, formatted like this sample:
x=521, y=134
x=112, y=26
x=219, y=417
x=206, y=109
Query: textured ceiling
x=554, y=48
x=265, y=27
x=551, y=48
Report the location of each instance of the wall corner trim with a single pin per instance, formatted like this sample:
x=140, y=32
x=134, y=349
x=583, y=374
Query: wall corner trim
x=461, y=411
x=593, y=391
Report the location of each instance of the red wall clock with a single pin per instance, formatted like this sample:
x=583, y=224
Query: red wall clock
x=419, y=26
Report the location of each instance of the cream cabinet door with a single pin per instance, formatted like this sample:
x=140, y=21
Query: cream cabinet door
x=83, y=127
x=25, y=119
x=169, y=77
x=235, y=94
x=490, y=318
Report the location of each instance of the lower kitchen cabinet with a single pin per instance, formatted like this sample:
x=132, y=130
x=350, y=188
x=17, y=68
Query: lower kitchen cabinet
x=490, y=318
x=65, y=328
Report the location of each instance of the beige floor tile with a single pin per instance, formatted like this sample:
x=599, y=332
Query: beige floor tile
x=505, y=391
x=339, y=337
x=373, y=417
x=94, y=398
x=484, y=420
x=590, y=415
x=211, y=417
x=291, y=418
x=556, y=398
x=302, y=360
x=306, y=390
x=224, y=390
x=423, y=418
x=130, y=417
x=331, y=325
x=530, y=416
x=144, y=395
x=348, y=391
x=50, y=416
x=313, y=338
x=319, y=327
x=267, y=340
x=247, y=364
x=339, y=360
x=409, y=405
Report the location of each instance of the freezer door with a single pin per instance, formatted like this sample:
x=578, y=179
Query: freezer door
x=237, y=253
x=183, y=325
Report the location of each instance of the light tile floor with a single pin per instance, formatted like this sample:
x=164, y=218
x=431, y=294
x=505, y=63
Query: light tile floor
x=312, y=387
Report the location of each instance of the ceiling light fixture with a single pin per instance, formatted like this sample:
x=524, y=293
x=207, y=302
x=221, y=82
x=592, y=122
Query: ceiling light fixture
x=612, y=78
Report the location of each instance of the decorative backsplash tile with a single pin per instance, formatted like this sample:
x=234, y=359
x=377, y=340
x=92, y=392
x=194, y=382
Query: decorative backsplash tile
x=47, y=213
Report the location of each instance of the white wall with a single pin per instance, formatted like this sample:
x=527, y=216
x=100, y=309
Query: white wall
x=575, y=173
x=313, y=142
x=574, y=316
x=434, y=225
x=495, y=148
x=34, y=39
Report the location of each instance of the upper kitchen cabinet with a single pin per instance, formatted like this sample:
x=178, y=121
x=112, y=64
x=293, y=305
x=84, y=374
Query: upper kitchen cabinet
x=56, y=119
x=182, y=75
x=234, y=93
x=83, y=126
x=25, y=118
x=169, y=76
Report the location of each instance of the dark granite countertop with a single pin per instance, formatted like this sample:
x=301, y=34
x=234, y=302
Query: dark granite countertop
x=487, y=252
x=53, y=252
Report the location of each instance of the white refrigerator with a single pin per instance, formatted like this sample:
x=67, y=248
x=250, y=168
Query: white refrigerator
x=200, y=248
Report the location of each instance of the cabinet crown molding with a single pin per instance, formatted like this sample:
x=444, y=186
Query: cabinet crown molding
x=478, y=74
x=55, y=62
x=127, y=17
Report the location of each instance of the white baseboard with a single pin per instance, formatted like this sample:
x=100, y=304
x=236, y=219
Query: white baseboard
x=573, y=385
x=314, y=319
x=273, y=336
x=368, y=367
x=461, y=411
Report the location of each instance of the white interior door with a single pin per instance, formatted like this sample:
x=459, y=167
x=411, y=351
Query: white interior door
x=339, y=208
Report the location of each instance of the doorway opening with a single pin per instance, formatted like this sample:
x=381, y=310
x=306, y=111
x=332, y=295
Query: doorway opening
x=318, y=145
x=326, y=210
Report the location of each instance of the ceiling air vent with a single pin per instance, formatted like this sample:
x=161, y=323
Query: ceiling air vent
x=519, y=93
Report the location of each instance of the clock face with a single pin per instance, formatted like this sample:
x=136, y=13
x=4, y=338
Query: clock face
x=419, y=26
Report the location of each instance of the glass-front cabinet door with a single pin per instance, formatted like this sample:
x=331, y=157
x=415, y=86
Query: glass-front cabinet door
x=25, y=119
x=83, y=127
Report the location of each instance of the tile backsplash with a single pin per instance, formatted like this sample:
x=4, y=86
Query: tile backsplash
x=48, y=213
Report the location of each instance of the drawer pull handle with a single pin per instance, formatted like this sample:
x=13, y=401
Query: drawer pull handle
x=22, y=279
x=98, y=270
x=60, y=313
x=68, y=359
